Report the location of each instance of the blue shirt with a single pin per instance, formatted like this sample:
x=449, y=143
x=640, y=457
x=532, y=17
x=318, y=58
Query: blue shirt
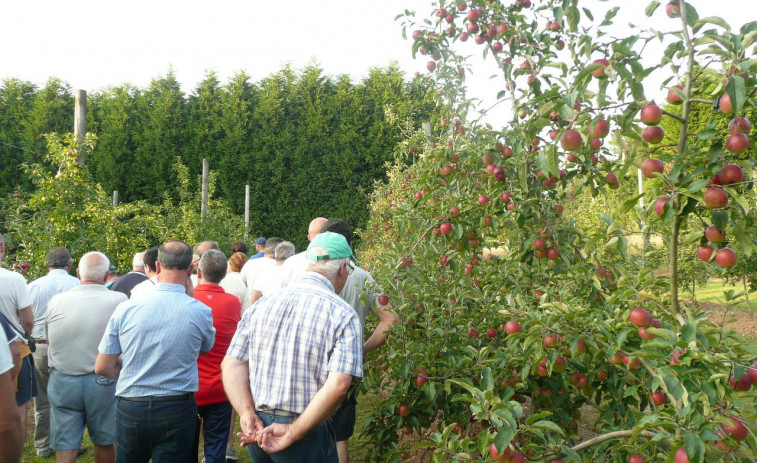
x=159, y=338
x=293, y=338
x=258, y=255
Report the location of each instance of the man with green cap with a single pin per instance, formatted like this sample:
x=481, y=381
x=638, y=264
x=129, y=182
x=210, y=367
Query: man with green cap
x=293, y=358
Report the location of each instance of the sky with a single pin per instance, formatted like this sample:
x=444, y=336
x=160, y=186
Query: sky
x=93, y=44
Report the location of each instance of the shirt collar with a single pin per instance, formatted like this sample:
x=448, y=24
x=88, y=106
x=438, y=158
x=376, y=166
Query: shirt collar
x=90, y=288
x=171, y=287
x=318, y=279
x=57, y=271
x=210, y=287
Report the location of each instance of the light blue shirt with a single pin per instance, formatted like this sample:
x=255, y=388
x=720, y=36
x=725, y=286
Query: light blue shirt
x=42, y=290
x=159, y=338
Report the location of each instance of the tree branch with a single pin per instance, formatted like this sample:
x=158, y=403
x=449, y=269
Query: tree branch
x=608, y=436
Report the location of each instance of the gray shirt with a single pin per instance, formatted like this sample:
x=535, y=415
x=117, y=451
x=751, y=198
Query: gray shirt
x=360, y=298
x=42, y=290
x=76, y=321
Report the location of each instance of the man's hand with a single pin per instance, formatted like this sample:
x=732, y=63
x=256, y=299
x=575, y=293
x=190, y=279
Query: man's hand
x=276, y=438
x=251, y=428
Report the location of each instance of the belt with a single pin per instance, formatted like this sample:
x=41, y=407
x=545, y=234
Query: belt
x=40, y=340
x=159, y=398
x=278, y=412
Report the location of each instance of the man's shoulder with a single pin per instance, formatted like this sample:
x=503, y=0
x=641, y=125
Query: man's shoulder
x=9, y=277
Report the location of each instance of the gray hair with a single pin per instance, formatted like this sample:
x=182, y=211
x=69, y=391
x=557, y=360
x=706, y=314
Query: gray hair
x=138, y=262
x=94, y=266
x=213, y=265
x=175, y=255
x=58, y=258
x=284, y=250
x=270, y=245
x=328, y=268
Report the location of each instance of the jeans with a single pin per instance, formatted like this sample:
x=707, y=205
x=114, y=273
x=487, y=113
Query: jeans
x=163, y=431
x=318, y=446
x=216, y=423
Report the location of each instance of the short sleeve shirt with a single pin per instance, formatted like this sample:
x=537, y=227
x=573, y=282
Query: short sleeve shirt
x=360, y=294
x=13, y=297
x=293, y=339
x=6, y=360
x=42, y=290
x=159, y=338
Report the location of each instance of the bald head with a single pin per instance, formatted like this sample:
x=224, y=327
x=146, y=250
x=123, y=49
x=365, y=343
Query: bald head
x=203, y=246
x=93, y=268
x=315, y=227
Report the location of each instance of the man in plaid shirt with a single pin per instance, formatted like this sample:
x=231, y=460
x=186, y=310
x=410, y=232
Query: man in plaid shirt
x=293, y=358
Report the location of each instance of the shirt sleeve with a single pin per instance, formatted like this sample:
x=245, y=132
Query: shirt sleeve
x=6, y=360
x=209, y=332
x=347, y=356
x=110, y=344
x=23, y=299
x=239, y=348
x=10, y=334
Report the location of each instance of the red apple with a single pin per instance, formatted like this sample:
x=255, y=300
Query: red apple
x=726, y=105
x=644, y=335
x=472, y=333
x=445, y=228
x=383, y=300
x=650, y=166
x=612, y=180
x=512, y=327
x=595, y=144
x=491, y=332
x=553, y=253
x=431, y=65
x=752, y=372
x=673, y=97
x=653, y=134
x=681, y=456
x=659, y=206
x=730, y=174
x=738, y=431
x=559, y=365
x=737, y=143
x=704, y=253
x=404, y=410
x=640, y=317
x=658, y=398
x=715, y=198
x=714, y=235
x=580, y=346
x=483, y=199
x=743, y=384
x=740, y=125
x=725, y=258
x=570, y=140
x=551, y=341
x=600, y=73
x=599, y=129
x=673, y=9
x=499, y=173
x=454, y=211
x=505, y=197
x=557, y=209
x=420, y=380
x=616, y=359
x=651, y=114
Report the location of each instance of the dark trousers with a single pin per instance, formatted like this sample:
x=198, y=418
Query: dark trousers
x=318, y=446
x=163, y=431
x=216, y=421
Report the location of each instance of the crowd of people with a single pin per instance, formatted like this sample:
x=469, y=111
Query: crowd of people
x=185, y=342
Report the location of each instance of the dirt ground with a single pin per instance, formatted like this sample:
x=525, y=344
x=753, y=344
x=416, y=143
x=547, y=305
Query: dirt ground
x=741, y=322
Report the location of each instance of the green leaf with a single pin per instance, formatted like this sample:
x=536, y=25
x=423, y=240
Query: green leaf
x=574, y=17
x=691, y=15
x=629, y=204
x=650, y=9
x=488, y=381
x=694, y=446
x=714, y=20
x=548, y=425
x=697, y=185
x=672, y=383
x=504, y=437
x=737, y=91
x=609, y=16
x=689, y=332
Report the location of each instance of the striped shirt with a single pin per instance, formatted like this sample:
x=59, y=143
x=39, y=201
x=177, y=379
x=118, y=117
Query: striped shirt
x=293, y=339
x=159, y=338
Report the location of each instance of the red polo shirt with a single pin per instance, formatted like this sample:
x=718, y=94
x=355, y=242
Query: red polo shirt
x=226, y=314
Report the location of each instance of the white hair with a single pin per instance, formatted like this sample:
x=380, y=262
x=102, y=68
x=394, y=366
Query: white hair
x=138, y=263
x=93, y=266
x=328, y=268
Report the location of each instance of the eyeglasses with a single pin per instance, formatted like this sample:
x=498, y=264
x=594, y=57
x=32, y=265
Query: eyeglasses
x=350, y=268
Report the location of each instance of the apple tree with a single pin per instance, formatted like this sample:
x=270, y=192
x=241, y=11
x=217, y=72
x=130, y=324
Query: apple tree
x=523, y=335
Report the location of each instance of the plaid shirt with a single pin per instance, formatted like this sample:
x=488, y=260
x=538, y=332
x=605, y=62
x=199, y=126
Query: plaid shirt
x=293, y=338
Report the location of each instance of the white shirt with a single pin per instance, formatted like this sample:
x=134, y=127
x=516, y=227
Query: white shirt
x=234, y=285
x=143, y=289
x=271, y=281
x=6, y=361
x=294, y=268
x=13, y=297
x=253, y=268
x=42, y=290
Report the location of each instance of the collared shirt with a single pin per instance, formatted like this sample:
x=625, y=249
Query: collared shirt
x=226, y=314
x=75, y=324
x=13, y=297
x=159, y=338
x=258, y=255
x=254, y=268
x=143, y=288
x=293, y=339
x=360, y=294
x=42, y=290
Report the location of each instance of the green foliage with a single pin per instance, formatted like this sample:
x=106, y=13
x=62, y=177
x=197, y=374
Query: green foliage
x=307, y=144
x=499, y=225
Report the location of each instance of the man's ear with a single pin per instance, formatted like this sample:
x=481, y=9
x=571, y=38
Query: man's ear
x=158, y=267
x=77, y=273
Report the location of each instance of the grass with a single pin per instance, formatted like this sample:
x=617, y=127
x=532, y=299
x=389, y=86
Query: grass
x=713, y=292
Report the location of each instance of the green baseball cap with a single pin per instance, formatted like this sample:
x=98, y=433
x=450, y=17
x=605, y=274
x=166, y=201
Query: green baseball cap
x=334, y=243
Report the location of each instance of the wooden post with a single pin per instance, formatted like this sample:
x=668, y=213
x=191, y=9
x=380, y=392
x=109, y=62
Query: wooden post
x=115, y=198
x=204, y=208
x=80, y=122
x=426, y=128
x=246, y=211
